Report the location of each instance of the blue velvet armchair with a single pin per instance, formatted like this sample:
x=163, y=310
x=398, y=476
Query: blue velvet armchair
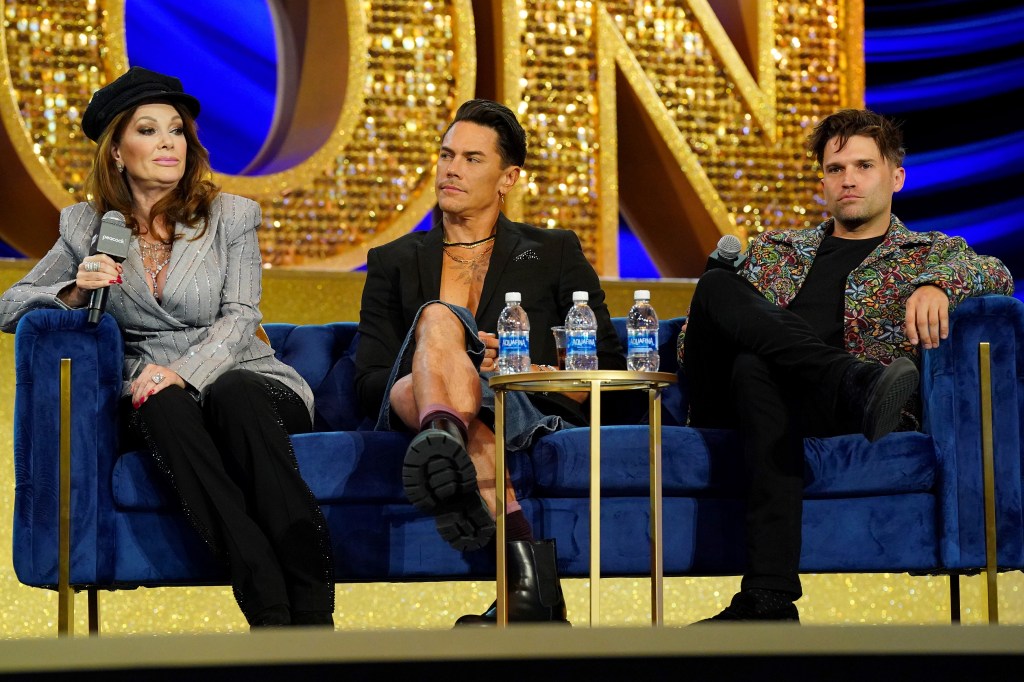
x=911, y=502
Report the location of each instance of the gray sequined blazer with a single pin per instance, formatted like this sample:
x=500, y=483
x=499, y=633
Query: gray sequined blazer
x=207, y=320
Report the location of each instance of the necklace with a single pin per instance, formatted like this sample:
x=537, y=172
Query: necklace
x=155, y=257
x=468, y=261
x=469, y=245
x=470, y=270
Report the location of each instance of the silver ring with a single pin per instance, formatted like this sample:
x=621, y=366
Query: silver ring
x=157, y=378
x=92, y=266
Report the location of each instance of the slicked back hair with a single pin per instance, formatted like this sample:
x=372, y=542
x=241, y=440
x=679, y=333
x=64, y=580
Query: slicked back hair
x=500, y=119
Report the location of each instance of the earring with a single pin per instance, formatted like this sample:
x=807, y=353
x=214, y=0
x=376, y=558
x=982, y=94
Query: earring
x=501, y=198
x=119, y=166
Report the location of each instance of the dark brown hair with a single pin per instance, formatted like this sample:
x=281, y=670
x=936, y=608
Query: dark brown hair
x=846, y=123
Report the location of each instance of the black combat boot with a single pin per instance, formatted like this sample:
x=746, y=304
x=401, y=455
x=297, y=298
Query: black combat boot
x=534, y=591
x=439, y=479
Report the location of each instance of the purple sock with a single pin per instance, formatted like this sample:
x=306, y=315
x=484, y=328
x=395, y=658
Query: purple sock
x=517, y=527
x=438, y=411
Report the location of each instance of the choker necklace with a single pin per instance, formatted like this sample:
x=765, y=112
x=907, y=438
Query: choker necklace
x=468, y=245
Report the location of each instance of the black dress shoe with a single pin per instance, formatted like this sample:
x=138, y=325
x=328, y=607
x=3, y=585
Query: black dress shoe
x=885, y=401
x=749, y=605
x=271, y=617
x=439, y=479
x=323, y=619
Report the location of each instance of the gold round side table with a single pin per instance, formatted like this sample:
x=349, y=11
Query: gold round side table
x=593, y=382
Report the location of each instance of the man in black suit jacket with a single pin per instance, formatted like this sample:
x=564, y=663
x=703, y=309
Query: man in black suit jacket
x=429, y=312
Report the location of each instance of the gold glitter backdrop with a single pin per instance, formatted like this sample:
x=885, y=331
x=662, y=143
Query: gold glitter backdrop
x=687, y=116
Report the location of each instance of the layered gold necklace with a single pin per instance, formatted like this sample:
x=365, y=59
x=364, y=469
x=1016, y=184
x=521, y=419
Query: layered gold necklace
x=470, y=269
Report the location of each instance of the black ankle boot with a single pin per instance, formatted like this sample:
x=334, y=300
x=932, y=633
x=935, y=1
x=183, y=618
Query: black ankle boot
x=534, y=591
x=323, y=619
x=270, y=617
x=877, y=394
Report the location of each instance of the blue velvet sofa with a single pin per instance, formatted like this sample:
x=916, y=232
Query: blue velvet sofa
x=912, y=502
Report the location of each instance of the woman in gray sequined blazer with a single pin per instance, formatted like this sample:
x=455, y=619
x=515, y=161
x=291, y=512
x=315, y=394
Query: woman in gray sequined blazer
x=202, y=391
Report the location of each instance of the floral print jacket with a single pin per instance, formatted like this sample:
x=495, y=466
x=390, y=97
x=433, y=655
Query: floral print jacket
x=877, y=290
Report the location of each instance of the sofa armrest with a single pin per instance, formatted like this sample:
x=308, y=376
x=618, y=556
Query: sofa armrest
x=951, y=389
x=43, y=337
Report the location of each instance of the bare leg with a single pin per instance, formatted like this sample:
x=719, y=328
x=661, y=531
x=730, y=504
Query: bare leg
x=443, y=374
x=403, y=402
x=481, y=451
x=439, y=399
x=435, y=468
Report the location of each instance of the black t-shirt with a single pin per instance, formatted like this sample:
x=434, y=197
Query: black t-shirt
x=820, y=300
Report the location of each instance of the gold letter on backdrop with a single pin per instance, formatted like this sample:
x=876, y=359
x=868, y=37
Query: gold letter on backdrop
x=407, y=67
x=688, y=116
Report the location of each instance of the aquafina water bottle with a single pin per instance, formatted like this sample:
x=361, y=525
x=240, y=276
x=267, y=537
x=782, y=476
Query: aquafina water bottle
x=642, y=334
x=513, y=336
x=580, y=334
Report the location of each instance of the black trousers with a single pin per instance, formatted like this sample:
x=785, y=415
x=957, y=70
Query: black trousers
x=761, y=369
x=231, y=463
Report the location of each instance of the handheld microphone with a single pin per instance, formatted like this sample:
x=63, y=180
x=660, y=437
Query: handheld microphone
x=727, y=256
x=113, y=239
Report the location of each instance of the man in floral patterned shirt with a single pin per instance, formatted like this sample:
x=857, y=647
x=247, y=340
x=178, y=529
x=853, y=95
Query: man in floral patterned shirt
x=819, y=334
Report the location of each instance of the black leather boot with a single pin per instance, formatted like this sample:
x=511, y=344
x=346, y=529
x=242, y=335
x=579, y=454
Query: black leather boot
x=439, y=478
x=534, y=591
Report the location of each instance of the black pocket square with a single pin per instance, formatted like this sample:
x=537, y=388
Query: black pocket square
x=529, y=254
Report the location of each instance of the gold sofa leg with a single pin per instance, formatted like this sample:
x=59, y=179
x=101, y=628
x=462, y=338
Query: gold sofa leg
x=65, y=595
x=954, y=598
x=989, y=485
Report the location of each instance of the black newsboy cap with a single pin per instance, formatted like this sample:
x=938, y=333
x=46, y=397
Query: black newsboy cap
x=134, y=87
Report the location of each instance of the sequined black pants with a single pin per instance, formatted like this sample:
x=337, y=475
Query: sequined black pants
x=231, y=463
